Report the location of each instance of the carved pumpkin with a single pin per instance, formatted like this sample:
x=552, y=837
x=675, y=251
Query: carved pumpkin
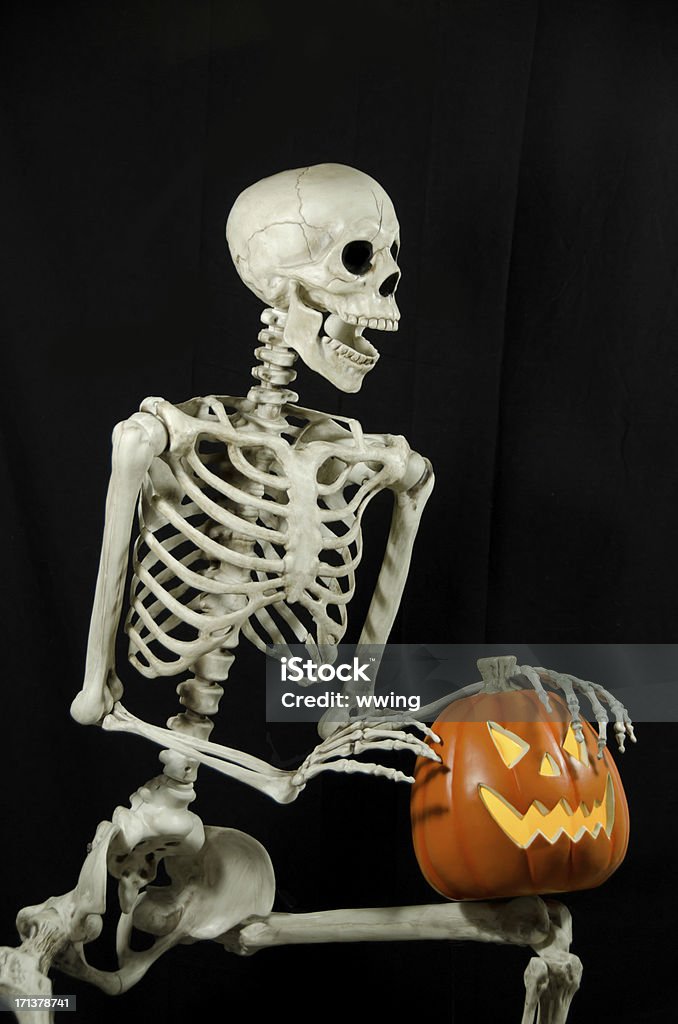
x=518, y=806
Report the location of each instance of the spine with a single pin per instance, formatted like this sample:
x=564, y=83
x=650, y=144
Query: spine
x=275, y=370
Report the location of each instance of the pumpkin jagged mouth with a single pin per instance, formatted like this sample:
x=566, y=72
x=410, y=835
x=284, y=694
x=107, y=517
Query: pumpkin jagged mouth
x=522, y=829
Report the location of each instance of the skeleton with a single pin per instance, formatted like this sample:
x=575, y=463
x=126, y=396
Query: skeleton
x=249, y=514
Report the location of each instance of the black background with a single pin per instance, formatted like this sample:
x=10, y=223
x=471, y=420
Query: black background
x=530, y=150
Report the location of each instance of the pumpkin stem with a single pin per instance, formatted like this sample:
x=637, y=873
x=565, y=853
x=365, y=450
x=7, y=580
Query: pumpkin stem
x=496, y=673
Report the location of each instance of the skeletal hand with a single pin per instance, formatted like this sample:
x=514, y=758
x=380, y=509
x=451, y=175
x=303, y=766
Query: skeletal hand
x=596, y=694
x=336, y=753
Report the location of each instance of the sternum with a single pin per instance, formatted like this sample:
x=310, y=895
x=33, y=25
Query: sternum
x=304, y=534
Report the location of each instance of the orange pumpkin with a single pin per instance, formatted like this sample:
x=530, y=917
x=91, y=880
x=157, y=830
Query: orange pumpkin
x=518, y=806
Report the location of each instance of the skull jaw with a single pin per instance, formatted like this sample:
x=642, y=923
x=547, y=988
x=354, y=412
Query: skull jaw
x=338, y=369
x=342, y=364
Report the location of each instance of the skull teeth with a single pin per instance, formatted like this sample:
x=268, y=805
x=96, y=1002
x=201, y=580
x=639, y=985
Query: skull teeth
x=343, y=350
x=377, y=323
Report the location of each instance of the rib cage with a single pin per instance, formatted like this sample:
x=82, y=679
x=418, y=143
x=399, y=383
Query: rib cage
x=242, y=529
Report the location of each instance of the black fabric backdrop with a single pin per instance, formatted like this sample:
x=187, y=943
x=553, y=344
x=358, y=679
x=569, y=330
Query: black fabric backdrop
x=530, y=150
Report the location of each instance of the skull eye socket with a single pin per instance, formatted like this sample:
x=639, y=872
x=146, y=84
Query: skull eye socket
x=356, y=257
x=512, y=748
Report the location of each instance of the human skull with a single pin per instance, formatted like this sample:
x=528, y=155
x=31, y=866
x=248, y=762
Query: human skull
x=321, y=243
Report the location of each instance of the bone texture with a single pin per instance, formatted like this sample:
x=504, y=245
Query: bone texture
x=503, y=673
x=522, y=922
x=246, y=521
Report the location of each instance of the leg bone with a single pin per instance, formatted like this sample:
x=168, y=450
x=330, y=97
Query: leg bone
x=51, y=927
x=551, y=986
x=553, y=977
x=523, y=921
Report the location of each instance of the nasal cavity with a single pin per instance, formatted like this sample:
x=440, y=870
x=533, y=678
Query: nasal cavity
x=389, y=285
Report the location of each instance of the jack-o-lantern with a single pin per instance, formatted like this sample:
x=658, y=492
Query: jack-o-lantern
x=518, y=806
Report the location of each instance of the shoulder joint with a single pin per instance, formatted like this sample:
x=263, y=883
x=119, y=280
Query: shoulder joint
x=418, y=473
x=139, y=438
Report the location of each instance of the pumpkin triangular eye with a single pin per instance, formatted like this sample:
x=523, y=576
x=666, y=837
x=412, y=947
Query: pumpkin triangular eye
x=549, y=766
x=574, y=748
x=511, y=747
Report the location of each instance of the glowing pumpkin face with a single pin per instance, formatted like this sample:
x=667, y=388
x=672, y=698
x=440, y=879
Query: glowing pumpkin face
x=518, y=805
